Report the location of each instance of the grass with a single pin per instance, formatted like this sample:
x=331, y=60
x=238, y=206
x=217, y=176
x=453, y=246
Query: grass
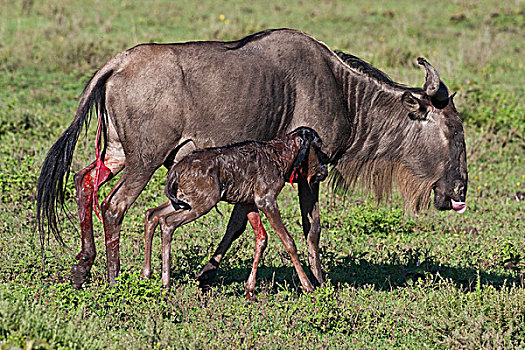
x=394, y=281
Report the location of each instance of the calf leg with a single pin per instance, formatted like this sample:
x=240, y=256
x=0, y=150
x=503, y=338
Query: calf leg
x=261, y=239
x=309, y=203
x=152, y=220
x=174, y=219
x=166, y=237
x=274, y=216
x=236, y=227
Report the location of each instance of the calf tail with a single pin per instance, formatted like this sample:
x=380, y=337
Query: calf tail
x=172, y=185
x=56, y=167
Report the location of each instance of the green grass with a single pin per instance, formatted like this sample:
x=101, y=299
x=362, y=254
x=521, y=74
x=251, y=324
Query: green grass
x=394, y=281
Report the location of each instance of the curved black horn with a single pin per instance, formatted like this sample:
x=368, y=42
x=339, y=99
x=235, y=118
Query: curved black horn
x=434, y=87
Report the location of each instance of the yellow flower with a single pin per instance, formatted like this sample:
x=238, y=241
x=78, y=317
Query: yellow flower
x=476, y=177
x=226, y=21
x=222, y=17
x=485, y=184
x=518, y=183
x=479, y=187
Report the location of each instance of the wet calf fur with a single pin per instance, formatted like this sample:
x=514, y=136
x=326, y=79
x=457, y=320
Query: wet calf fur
x=251, y=174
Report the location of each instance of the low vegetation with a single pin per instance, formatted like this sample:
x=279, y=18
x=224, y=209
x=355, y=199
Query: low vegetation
x=440, y=280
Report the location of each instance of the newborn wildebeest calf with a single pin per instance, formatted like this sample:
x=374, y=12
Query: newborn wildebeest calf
x=251, y=174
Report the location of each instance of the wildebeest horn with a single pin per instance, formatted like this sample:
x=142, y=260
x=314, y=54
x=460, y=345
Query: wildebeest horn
x=434, y=87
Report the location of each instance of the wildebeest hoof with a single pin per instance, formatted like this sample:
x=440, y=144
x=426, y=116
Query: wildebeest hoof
x=317, y=284
x=79, y=273
x=206, y=276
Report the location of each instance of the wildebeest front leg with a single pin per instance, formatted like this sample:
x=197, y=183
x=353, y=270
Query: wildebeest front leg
x=309, y=203
x=236, y=227
x=274, y=216
x=261, y=239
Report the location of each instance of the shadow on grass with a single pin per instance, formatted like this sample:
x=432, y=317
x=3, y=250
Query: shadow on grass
x=359, y=272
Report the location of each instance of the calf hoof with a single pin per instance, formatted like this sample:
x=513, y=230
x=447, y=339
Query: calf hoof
x=79, y=273
x=250, y=296
x=166, y=285
x=308, y=288
x=145, y=274
x=206, y=276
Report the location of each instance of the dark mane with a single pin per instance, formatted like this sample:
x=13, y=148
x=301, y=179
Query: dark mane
x=372, y=171
x=237, y=44
x=366, y=68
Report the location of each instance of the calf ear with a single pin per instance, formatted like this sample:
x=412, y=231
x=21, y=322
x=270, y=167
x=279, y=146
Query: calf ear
x=316, y=142
x=301, y=155
x=415, y=106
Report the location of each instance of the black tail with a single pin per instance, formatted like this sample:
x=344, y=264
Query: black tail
x=55, y=169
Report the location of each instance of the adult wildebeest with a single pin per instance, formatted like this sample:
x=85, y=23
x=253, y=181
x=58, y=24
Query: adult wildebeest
x=248, y=173
x=154, y=101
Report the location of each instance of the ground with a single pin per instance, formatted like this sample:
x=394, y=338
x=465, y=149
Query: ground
x=440, y=280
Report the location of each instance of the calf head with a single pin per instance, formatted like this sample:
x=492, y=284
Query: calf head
x=311, y=163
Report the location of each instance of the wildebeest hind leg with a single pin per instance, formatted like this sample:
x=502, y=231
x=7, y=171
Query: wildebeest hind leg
x=85, y=186
x=236, y=227
x=201, y=204
x=115, y=206
x=86, y=257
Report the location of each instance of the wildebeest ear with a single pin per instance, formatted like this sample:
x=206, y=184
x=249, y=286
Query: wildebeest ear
x=415, y=106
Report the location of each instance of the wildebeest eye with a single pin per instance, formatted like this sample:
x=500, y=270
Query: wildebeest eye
x=412, y=116
x=415, y=116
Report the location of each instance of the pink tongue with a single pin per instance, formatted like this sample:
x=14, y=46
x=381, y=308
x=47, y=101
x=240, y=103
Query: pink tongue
x=459, y=207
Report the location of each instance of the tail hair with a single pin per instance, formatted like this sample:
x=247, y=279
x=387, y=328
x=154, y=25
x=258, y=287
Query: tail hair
x=56, y=167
